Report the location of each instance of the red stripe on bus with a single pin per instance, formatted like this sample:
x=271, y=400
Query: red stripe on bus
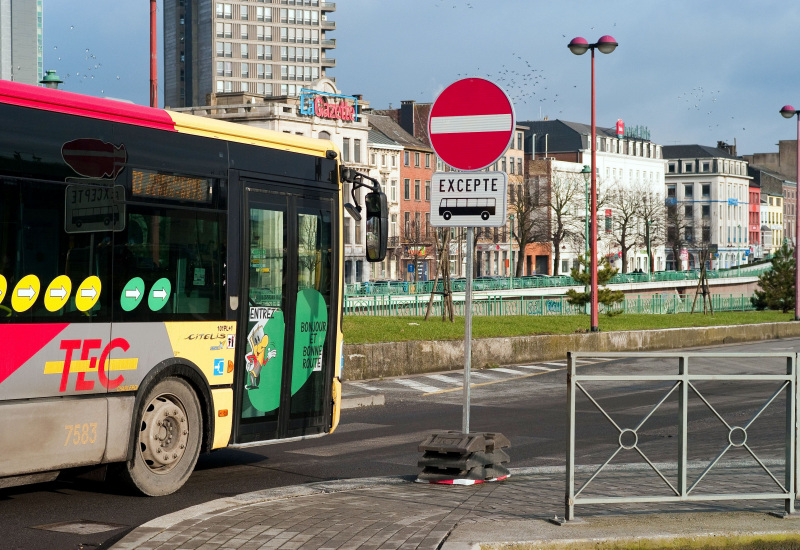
x=21, y=342
x=69, y=103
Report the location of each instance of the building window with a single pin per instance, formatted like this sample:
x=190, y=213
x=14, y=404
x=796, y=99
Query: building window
x=243, y=12
x=427, y=160
x=245, y=71
x=706, y=166
x=243, y=32
x=416, y=159
x=407, y=189
x=416, y=190
x=705, y=189
x=405, y=158
x=356, y=150
x=671, y=168
x=346, y=149
x=688, y=191
x=243, y=50
x=428, y=190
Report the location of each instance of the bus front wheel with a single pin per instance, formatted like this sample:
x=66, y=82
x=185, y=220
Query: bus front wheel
x=168, y=435
x=447, y=215
x=484, y=215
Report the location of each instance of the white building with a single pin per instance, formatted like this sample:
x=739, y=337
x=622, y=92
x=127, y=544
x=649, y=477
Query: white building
x=628, y=160
x=21, y=41
x=384, y=161
x=711, y=187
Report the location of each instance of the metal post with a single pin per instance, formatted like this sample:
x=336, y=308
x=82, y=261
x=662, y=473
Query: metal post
x=593, y=280
x=153, y=56
x=797, y=228
x=569, y=497
x=468, y=330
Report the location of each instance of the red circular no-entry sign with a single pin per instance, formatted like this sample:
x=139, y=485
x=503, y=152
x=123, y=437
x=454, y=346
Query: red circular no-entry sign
x=471, y=124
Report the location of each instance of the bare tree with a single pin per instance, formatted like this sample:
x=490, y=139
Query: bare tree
x=625, y=207
x=652, y=228
x=680, y=230
x=528, y=204
x=566, y=196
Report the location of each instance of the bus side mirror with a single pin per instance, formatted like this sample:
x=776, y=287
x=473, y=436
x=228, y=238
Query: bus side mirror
x=377, y=226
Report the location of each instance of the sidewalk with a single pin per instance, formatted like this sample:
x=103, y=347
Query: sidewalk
x=393, y=512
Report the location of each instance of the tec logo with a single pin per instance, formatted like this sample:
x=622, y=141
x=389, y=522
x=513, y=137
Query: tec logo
x=91, y=361
x=219, y=367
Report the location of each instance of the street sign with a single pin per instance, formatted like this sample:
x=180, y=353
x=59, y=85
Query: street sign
x=469, y=199
x=471, y=124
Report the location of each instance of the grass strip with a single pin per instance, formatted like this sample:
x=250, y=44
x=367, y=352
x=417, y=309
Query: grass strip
x=367, y=329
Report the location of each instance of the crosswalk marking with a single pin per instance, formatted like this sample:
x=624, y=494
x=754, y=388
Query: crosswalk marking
x=413, y=384
x=556, y=364
x=363, y=386
x=483, y=375
x=508, y=371
x=446, y=379
x=534, y=367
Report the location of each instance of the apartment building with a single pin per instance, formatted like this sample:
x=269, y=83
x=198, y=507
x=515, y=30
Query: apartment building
x=21, y=41
x=711, y=189
x=263, y=47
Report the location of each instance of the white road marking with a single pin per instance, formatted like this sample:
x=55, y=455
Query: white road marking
x=363, y=386
x=534, y=367
x=509, y=371
x=446, y=379
x=424, y=388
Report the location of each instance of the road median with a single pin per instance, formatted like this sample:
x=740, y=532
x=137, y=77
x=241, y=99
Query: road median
x=367, y=361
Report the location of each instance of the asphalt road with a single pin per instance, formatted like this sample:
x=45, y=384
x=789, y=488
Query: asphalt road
x=377, y=441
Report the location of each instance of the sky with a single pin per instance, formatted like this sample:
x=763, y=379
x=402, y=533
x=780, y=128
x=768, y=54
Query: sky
x=690, y=71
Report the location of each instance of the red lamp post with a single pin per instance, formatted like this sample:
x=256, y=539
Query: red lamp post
x=580, y=46
x=788, y=112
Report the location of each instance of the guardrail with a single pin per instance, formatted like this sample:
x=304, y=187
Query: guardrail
x=683, y=382
x=416, y=305
x=540, y=281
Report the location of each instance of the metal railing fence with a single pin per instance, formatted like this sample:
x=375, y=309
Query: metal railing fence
x=389, y=305
x=539, y=281
x=682, y=382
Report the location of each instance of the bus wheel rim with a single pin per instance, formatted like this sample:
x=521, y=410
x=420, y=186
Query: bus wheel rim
x=164, y=433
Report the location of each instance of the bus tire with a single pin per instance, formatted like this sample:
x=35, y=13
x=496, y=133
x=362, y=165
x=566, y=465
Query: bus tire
x=167, y=442
x=447, y=215
x=484, y=215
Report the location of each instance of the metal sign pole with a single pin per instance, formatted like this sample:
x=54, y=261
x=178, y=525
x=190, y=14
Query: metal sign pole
x=468, y=329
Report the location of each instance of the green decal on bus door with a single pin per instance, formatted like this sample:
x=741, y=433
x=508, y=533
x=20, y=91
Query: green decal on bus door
x=264, y=360
x=311, y=326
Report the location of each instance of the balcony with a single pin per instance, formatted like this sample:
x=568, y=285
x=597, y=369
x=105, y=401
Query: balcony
x=327, y=6
x=329, y=25
x=328, y=62
x=328, y=43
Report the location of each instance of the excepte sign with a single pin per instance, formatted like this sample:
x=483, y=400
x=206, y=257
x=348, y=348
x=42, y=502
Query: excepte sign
x=316, y=103
x=468, y=199
x=471, y=124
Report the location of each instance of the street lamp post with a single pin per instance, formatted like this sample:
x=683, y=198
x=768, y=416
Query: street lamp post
x=586, y=171
x=511, y=252
x=580, y=46
x=788, y=112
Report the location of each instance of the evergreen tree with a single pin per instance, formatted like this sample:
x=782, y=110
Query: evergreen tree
x=777, y=284
x=605, y=296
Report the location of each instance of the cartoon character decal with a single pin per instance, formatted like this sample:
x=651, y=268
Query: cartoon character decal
x=264, y=361
x=259, y=355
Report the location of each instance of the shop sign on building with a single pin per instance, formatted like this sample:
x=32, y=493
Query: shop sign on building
x=327, y=105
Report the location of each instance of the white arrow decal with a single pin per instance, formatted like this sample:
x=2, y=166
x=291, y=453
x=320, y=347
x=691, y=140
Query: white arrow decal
x=133, y=294
x=160, y=294
x=88, y=292
x=58, y=292
x=26, y=292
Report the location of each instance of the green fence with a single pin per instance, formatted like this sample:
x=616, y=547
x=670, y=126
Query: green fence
x=387, y=305
x=403, y=288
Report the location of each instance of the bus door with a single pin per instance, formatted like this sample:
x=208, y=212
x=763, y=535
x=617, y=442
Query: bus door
x=286, y=331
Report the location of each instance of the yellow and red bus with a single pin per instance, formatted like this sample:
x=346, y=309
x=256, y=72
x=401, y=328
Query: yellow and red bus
x=169, y=285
